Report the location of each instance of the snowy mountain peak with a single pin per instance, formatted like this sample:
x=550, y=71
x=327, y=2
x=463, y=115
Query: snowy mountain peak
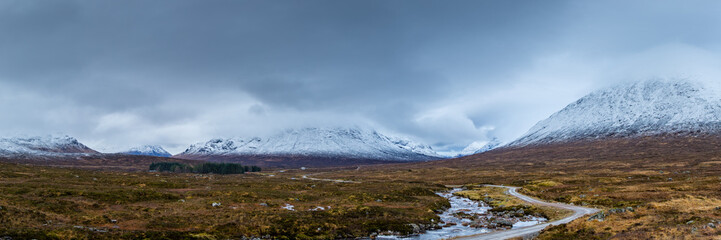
x=148, y=150
x=479, y=147
x=328, y=142
x=42, y=146
x=634, y=109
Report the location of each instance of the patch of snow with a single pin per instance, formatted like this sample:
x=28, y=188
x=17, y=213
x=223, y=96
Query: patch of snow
x=288, y=207
x=318, y=208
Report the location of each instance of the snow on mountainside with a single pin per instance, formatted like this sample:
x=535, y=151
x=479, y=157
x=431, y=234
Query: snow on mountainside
x=479, y=147
x=43, y=146
x=148, y=150
x=636, y=109
x=338, y=142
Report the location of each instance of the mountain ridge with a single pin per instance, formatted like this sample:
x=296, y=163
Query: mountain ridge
x=341, y=143
x=651, y=107
x=46, y=146
x=148, y=150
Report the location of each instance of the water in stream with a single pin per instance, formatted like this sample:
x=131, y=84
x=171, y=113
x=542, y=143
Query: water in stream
x=456, y=227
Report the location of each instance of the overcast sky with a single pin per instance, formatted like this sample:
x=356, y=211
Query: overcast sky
x=116, y=74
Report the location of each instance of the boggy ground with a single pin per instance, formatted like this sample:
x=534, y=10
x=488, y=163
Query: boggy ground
x=64, y=203
x=662, y=187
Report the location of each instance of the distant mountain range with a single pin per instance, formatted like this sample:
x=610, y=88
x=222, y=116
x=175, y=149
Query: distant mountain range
x=647, y=108
x=640, y=109
x=300, y=146
x=148, y=150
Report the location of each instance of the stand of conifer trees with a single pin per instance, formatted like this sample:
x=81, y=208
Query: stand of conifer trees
x=218, y=168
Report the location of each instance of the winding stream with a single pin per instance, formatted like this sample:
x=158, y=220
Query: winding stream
x=454, y=226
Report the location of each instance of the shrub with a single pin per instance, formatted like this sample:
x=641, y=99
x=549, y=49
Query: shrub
x=218, y=168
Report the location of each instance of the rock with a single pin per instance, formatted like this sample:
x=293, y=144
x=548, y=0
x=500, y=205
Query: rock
x=416, y=228
x=617, y=210
x=711, y=225
x=600, y=216
x=503, y=223
x=630, y=209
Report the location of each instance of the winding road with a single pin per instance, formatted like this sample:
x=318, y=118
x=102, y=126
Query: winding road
x=328, y=180
x=524, y=231
x=516, y=232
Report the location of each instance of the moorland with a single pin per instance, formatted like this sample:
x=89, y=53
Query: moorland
x=656, y=187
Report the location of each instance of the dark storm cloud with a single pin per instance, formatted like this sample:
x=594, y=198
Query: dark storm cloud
x=444, y=72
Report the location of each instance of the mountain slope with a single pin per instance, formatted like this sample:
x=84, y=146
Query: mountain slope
x=630, y=110
x=313, y=143
x=148, y=150
x=43, y=147
x=479, y=147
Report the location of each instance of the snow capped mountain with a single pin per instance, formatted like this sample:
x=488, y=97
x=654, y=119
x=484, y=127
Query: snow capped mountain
x=629, y=110
x=148, y=150
x=43, y=146
x=479, y=147
x=337, y=142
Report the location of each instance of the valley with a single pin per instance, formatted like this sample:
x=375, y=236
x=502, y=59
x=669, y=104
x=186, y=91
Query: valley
x=640, y=170
x=360, y=120
x=676, y=196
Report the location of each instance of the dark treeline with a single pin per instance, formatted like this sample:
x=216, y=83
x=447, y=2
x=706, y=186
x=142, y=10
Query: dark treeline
x=218, y=168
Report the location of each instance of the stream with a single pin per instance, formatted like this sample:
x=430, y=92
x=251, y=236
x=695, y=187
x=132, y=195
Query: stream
x=455, y=226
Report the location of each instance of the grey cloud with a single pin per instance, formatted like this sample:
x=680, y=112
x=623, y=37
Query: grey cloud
x=447, y=73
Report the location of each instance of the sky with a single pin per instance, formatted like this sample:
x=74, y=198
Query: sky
x=117, y=74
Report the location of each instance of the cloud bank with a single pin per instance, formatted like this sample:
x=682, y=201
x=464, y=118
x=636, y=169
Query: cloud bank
x=116, y=75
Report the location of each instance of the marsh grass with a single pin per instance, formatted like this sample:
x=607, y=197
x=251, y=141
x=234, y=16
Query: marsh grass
x=63, y=203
